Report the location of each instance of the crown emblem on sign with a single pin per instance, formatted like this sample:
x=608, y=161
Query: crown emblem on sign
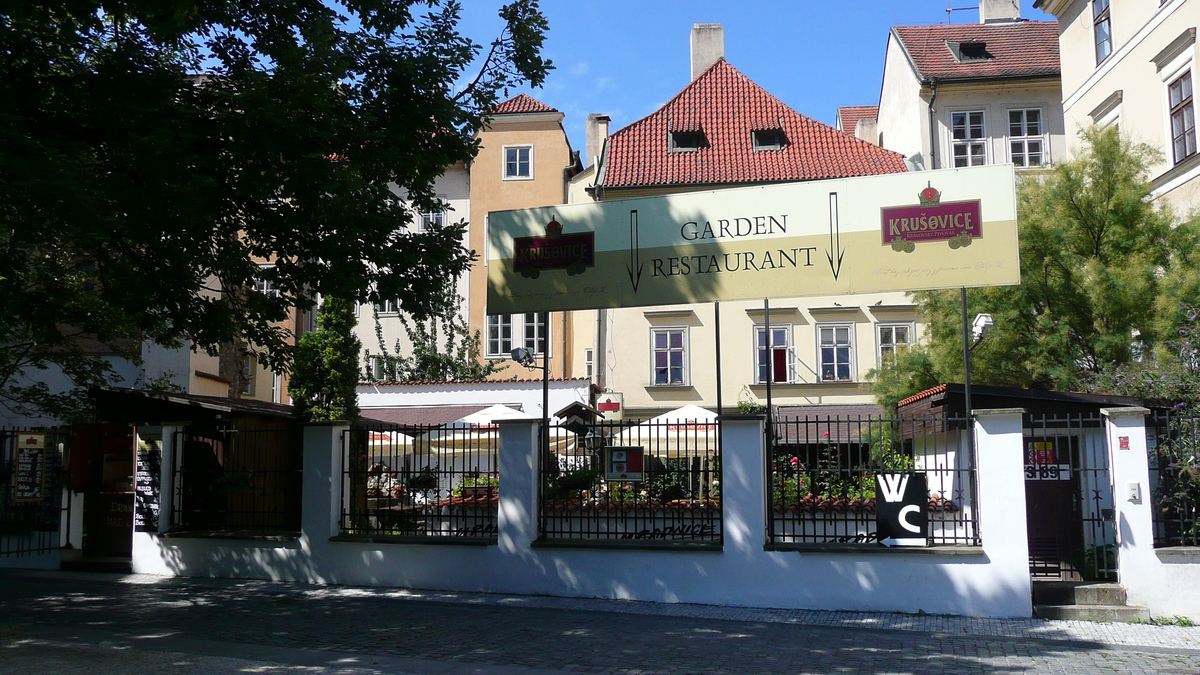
x=930, y=196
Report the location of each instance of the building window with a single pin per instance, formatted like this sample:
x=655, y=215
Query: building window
x=379, y=369
x=835, y=352
x=518, y=162
x=431, y=219
x=776, y=363
x=1183, y=117
x=686, y=141
x=894, y=338
x=1025, y=144
x=966, y=129
x=388, y=307
x=532, y=333
x=1102, y=28
x=262, y=284
x=249, y=370
x=669, y=354
x=769, y=139
x=589, y=363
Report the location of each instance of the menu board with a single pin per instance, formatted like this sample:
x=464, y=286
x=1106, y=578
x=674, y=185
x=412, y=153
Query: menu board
x=147, y=483
x=31, y=474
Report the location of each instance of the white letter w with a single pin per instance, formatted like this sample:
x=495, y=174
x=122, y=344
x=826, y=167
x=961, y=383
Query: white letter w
x=893, y=486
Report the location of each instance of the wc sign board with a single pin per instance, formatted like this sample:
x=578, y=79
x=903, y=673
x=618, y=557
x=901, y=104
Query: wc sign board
x=901, y=509
x=898, y=232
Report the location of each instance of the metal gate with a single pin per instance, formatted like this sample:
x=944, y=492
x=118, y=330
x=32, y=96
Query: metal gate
x=1068, y=499
x=31, y=482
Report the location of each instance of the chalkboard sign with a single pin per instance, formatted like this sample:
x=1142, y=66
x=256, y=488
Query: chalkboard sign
x=31, y=474
x=146, y=487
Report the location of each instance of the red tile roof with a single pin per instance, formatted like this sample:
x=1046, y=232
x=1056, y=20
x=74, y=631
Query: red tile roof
x=1019, y=49
x=726, y=106
x=941, y=388
x=849, y=115
x=522, y=103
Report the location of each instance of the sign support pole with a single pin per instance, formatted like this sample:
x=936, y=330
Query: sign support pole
x=966, y=341
x=770, y=363
x=546, y=389
x=717, y=329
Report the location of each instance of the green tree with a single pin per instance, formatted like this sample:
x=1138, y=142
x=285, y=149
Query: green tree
x=1102, y=269
x=443, y=349
x=136, y=197
x=325, y=373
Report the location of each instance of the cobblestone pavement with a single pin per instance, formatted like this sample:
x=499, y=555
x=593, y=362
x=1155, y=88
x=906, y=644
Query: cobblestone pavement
x=199, y=625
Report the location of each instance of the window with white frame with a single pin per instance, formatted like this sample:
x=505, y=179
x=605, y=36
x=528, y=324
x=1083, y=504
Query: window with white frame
x=379, y=368
x=669, y=356
x=968, y=143
x=505, y=331
x=1183, y=117
x=835, y=352
x=249, y=371
x=589, y=363
x=775, y=362
x=1025, y=142
x=894, y=338
x=262, y=284
x=1102, y=29
x=518, y=162
x=388, y=307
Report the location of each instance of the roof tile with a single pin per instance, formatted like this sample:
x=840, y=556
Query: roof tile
x=849, y=115
x=727, y=107
x=521, y=103
x=1018, y=49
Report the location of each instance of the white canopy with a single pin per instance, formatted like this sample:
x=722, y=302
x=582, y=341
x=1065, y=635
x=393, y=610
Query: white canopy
x=689, y=431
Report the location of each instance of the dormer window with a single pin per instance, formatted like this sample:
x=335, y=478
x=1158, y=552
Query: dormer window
x=969, y=51
x=686, y=141
x=769, y=139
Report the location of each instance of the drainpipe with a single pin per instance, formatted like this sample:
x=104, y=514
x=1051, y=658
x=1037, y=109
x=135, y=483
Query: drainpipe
x=932, y=83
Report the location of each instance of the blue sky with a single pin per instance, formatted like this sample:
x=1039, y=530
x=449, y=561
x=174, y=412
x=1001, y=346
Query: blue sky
x=625, y=58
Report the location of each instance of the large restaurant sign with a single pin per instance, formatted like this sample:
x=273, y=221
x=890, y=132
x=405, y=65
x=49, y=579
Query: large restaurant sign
x=898, y=232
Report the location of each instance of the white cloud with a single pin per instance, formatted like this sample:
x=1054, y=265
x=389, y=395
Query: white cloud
x=578, y=69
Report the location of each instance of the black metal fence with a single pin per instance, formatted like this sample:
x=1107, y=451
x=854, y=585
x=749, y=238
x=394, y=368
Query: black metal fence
x=822, y=481
x=1068, y=498
x=238, y=480
x=1174, y=457
x=655, y=483
x=421, y=482
x=31, y=482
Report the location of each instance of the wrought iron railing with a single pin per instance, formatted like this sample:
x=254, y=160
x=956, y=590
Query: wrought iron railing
x=1174, y=456
x=238, y=480
x=655, y=483
x=31, y=503
x=421, y=482
x=822, y=480
x=1068, y=498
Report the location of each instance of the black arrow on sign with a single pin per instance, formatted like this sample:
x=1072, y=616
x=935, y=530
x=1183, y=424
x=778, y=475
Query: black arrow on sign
x=835, y=237
x=635, y=258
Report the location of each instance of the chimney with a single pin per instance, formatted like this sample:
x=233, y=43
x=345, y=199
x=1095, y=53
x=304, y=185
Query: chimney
x=708, y=46
x=595, y=131
x=867, y=130
x=999, y=11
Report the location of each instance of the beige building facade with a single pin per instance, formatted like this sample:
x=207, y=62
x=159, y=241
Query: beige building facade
x=1133, y=65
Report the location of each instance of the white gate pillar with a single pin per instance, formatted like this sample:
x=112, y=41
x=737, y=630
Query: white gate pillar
x=1000, y=471
x=516, y=520
x=1125, y=434
x=743, y=483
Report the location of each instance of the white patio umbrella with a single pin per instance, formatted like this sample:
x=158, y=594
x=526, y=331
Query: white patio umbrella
x=476, y=434
x=689, y=431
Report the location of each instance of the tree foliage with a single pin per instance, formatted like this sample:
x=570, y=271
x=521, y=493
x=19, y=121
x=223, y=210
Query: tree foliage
x=325, y=375
x=442, y=349
x=137, y=198
x=1103, y=269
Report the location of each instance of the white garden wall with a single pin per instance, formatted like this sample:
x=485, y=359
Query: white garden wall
x=988, y=581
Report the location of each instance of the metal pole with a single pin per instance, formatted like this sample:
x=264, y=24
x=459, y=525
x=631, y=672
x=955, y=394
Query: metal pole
x=717, y=328
x=546, y=388
x=966, y=341
x=770, y=363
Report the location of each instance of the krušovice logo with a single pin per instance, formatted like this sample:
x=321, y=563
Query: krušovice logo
x=931, y=220
x=555, y=251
